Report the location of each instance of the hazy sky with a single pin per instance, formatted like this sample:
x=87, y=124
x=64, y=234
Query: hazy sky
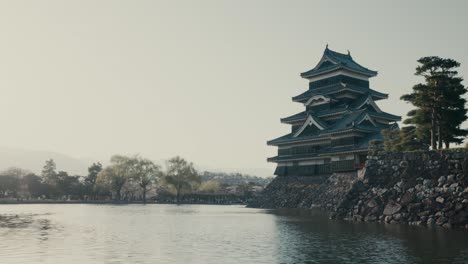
x=207, y=80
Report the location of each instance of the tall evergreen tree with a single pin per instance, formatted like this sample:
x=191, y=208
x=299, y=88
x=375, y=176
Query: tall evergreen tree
x=90, y=180
x=440, y=106
x=49, y=172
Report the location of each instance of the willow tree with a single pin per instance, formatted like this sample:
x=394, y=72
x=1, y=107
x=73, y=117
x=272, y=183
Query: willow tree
x=145, y=172
x=116, y=175
x=181, y=175
x=440, y=106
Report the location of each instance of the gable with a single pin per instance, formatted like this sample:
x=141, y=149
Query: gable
x=366, y=123
x=310, y=130
x=317, y=100
x=370, y=102
x=310, y=122
x=367, y=120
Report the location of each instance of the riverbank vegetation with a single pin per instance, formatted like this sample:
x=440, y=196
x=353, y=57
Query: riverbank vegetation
x=129, y=179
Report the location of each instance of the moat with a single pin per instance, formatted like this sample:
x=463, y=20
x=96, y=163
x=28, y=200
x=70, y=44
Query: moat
x=80, y=233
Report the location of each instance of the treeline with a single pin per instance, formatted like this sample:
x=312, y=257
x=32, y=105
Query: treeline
x=440, y=109
x=235, y=178
x=125, y=179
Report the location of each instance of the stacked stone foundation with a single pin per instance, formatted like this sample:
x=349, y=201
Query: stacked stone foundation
x=427, y=188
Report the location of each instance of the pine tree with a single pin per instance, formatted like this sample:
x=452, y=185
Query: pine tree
x=409, y=140
x=440, y=106
x=391, y=139
x=49, y=173
x=453, y=114
x=404, y=139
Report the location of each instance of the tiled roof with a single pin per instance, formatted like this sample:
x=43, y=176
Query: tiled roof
x=385, y=115
x=303, y=115
x=347, y=122
x=337, y=88
x=299, y=116
x=339, y=60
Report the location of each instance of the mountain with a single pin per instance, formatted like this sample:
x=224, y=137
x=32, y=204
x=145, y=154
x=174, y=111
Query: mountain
x=33, y=160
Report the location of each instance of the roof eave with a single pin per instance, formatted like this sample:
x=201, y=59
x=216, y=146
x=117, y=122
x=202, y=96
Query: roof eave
x=299, y=100
x=310, y=74
x=292, y=121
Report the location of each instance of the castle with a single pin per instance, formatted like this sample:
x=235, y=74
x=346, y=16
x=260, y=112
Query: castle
x=341, y=116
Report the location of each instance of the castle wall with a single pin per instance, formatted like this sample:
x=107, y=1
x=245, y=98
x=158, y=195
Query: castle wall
x=419, y=188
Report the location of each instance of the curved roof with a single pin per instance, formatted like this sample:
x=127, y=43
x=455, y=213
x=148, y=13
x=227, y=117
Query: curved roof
x=338, y=61
x=303, y=115
x=334, y=88
x=340, y=109
x=288, y=138
x=348, y=122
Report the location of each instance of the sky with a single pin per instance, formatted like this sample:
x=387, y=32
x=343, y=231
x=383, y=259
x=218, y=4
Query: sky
x=206, y=80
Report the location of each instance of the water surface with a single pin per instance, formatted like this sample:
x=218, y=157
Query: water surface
x=79, y=233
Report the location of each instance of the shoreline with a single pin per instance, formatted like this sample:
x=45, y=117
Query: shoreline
x=106, y=202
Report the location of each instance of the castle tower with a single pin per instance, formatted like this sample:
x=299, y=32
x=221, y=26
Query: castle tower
x=340, y=118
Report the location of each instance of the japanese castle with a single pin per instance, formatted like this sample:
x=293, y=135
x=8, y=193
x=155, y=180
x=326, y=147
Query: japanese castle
x=340, y=118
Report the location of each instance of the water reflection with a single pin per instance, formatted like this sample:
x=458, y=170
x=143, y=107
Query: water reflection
x=212, y=234
x=314, y=238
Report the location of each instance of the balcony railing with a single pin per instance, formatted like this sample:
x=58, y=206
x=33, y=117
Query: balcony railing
x=319, y=169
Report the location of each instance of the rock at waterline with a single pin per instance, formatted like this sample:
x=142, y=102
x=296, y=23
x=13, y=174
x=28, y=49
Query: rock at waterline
x=392, y=208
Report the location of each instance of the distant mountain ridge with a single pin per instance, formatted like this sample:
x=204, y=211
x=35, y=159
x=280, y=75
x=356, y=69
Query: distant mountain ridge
x=34, y=160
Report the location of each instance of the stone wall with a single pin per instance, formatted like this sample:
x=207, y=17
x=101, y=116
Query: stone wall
x=325, y=191
x=418, y=188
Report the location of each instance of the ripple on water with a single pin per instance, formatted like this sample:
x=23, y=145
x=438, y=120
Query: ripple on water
x=211, y=234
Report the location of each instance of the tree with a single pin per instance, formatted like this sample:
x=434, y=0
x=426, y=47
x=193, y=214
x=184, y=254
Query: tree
x=391, y=138
x=16, y=172
x=375, y=146
x=404, y=139
x=34, y=185
x=13, y=178
x=49, y=173
x=181, y=175
x=209, y=187
x=90, y=180
x=68, y=185
x=145, y=172
x=409, y=140
x=440, y=106
x=116, y=175
x=93, y=172
x=421, y=120
x=9, y=185
x=109, y=178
